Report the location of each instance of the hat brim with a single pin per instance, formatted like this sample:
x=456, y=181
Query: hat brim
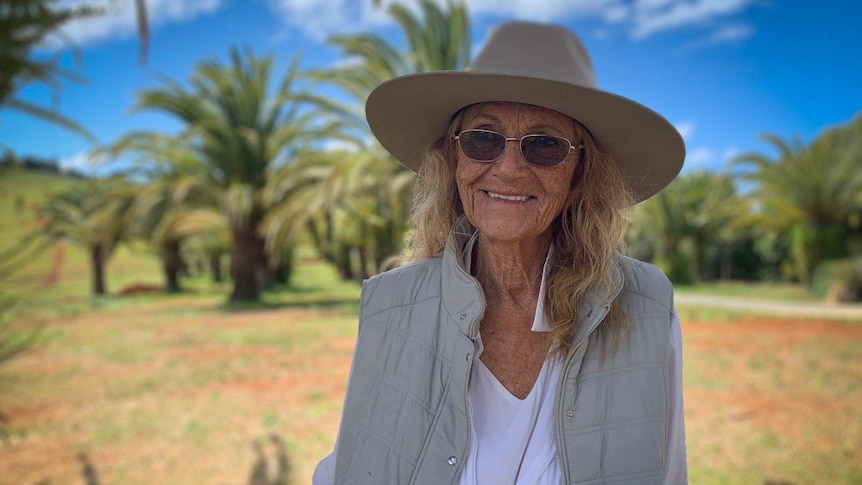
x=409, y=113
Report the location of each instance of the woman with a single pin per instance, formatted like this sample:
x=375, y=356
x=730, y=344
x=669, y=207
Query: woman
x=520, y=347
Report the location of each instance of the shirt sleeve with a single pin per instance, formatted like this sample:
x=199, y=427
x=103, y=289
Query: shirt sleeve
x=676, y=469
x=324, y=474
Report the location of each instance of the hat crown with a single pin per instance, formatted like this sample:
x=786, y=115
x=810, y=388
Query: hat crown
x=538, y=51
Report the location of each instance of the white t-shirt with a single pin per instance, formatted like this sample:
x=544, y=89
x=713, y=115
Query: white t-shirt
x=513, y=440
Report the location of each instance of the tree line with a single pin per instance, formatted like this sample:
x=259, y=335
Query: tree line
x=263, y=162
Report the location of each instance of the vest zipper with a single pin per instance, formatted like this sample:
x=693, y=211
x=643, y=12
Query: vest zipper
x=472, y=357
x=558, y=393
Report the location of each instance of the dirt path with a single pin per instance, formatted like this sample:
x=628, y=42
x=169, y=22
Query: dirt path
x=774, y=307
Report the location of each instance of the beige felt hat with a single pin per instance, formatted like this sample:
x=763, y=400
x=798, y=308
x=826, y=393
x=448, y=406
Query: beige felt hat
x=539, y=64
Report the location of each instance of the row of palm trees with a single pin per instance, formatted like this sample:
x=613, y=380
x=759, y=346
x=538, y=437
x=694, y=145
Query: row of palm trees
x=801, y=208
x=257, y=168
x=258, y=164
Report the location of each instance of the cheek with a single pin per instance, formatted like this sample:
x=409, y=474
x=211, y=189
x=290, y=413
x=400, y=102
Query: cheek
x=465, y=176
x=559, y=189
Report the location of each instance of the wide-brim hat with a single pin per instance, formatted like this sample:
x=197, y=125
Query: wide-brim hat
x=539, y=64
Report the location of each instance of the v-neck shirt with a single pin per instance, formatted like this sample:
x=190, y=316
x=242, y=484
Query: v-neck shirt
x=513, y=439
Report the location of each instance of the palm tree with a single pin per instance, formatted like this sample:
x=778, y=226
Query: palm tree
x=91, y=215
x=241, y=130
x=177, y=187
x=369, y=215
x=694, y=211
x=25, y=25
x=812, y=190
x=438, y=40
x=338, y=196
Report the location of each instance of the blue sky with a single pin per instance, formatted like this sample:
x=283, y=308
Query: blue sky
x=723, y=71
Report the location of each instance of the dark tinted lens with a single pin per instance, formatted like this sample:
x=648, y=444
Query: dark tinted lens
x=544, y=150
x=484, y=146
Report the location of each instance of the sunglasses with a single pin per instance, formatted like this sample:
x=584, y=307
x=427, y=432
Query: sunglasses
x=539, y=150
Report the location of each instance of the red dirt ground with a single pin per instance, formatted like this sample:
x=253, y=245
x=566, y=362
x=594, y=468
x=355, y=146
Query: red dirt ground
x=787, y=412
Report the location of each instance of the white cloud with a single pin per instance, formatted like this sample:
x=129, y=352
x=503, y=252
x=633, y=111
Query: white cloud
x=731, y=33
x=725, y=34
x=352, y=15
x=320, y=18
x=730, y=153
x=640, y=18
x=550, y=10
x=699, y=156
x=616, y=13
x=120, y=19
x=82, y=162
x=651, y=16
x=686, y=129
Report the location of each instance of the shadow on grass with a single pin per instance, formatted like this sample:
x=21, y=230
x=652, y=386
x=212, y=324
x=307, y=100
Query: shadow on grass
x=271, y=468
x=274, y=298
x=260, y=471
x=311, y=303
x=290, y=296
x=88, y=470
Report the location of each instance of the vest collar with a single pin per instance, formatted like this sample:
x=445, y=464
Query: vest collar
x=462, y=295
x=464, y=300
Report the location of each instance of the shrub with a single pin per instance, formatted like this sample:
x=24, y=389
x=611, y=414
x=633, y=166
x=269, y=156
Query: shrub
x=810, y=248
x=677, y=268
x=839, y=281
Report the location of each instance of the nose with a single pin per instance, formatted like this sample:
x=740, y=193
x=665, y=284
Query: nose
x=511, y=159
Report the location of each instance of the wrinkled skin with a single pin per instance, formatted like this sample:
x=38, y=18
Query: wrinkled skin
x=514, y=235
x=516, y=224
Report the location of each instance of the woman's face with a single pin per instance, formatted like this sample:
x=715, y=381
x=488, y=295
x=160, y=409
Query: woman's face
x=510, y=200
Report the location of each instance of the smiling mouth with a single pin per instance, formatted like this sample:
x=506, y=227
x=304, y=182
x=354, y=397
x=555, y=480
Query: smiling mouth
x=517, y=198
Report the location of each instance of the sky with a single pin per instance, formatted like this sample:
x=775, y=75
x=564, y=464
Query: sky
x=724, y=72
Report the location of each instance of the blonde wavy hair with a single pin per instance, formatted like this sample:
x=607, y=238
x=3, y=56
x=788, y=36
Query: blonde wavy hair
x=588, y=234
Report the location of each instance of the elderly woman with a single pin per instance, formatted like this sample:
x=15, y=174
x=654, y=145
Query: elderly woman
x=520, y=346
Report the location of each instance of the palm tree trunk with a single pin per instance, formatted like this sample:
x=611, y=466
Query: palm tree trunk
x=97, y=265
x=215, y=267
x=363, y=263
x=696, y=258
x=344, y=266
x=248, y=261
x=171, y=265
x=726, y=261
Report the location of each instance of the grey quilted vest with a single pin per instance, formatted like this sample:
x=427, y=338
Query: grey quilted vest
x=405, y=415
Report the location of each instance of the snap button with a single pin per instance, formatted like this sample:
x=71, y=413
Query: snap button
x=570, y=414
x=463, y=316
x=452, y=461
